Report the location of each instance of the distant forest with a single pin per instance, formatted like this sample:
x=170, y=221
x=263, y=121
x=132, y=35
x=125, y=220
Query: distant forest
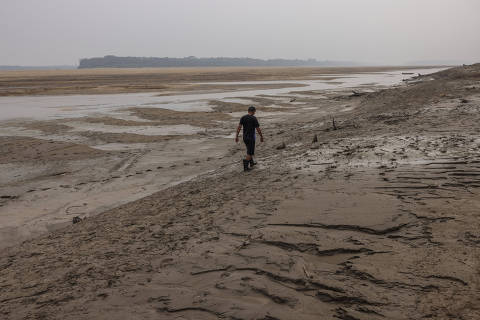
x=151, y=62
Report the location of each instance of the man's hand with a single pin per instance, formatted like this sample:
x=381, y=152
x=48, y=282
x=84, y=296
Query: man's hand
x=260, y=134
x=238, y=132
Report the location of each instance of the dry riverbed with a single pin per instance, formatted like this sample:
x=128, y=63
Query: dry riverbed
x=375, y=218
x=85, y=158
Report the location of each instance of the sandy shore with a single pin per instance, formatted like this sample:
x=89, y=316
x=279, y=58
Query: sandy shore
x=377, y=219
x=103, y=81
x=81, y=155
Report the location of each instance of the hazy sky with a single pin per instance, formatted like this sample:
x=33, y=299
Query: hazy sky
x=55, y=32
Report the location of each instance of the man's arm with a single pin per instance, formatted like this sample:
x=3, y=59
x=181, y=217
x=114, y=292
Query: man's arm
x=260, y=134
x=238, y=132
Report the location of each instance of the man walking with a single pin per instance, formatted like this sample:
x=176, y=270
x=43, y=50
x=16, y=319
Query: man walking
x=249, y=123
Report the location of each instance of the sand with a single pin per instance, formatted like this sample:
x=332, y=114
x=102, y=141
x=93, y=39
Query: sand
x=163, y=80
x=378, y=219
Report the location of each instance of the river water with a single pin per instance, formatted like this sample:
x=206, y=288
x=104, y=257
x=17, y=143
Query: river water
x=73, y=106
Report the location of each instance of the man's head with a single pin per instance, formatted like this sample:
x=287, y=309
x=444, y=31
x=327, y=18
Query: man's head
x=251, y=110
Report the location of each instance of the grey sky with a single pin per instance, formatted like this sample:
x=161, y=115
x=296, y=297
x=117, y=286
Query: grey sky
x=54, y=32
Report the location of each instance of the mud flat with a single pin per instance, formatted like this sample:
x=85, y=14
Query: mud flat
x=102, y=81
x=67, y=156
x=376, y=218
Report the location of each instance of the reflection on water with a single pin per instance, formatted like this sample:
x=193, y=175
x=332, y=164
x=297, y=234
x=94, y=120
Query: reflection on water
x=55, y=107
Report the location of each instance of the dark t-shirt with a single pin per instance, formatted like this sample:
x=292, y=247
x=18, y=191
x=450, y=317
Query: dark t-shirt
x=249, y=124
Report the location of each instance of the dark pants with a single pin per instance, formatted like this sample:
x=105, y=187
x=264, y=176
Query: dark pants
x=250, y=143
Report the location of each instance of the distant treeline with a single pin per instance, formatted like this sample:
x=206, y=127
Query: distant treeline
x=151, y=62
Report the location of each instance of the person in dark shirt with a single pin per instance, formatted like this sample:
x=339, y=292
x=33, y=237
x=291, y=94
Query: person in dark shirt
x=249, y=123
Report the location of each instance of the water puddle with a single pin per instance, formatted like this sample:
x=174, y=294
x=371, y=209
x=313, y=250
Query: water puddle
x=32, y=133
x=180, y=129
x=239, y=100
x=121, y=146
x=180, y=105
x=262, y=114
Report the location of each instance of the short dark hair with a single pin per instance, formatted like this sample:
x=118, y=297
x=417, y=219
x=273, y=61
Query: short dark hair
x=251, y=109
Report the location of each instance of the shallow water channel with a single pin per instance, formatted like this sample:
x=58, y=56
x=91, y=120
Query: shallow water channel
x=72, y=106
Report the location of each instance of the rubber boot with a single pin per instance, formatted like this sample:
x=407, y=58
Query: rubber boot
x=252, y=163
x=245, y=165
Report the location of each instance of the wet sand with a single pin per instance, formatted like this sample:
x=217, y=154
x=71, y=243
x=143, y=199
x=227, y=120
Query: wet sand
x=376, y=219
x=102, y=81
x=131, y=145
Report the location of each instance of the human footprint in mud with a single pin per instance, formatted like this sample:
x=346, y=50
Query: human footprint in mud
x=249, y=123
